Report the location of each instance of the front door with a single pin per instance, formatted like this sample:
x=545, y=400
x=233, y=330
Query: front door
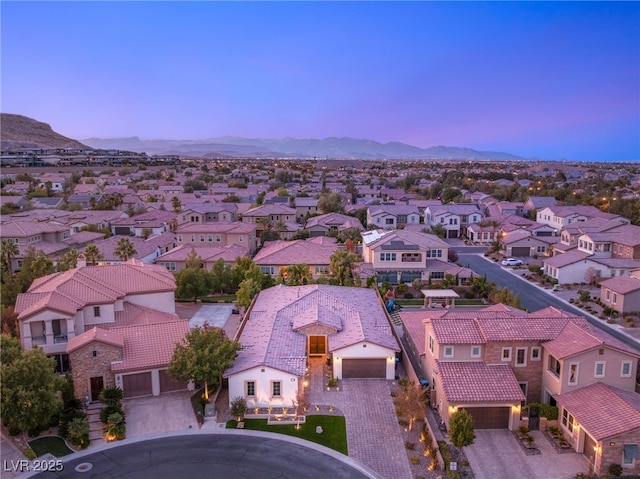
x=97, y=385
x=317, y=345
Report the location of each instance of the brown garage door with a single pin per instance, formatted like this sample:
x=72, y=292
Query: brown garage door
x=169, y=383
x=138, y=384
x=364, y=368
x=489, y=417
x=520, y=251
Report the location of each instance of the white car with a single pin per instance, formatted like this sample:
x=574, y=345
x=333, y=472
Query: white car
x=511, y=262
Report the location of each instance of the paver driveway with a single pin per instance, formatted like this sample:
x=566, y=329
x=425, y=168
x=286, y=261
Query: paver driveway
x=170, y=412
x=496, y=454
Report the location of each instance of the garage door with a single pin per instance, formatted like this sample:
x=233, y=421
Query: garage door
x=364, y=368
x=169, y=383
x=521, y=251
x=489, y=417
x=137, y=385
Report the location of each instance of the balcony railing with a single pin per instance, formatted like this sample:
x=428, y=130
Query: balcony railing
x=60, y=338
x=38, y=340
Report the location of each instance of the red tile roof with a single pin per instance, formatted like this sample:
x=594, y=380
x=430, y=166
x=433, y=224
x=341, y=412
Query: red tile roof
x=95, y=334
x=603, y=411
x=478, y=382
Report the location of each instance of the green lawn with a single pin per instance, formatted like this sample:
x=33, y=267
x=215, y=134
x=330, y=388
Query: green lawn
x=52, y=444
x=334, y=433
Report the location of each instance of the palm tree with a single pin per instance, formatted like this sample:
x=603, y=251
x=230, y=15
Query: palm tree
x=125, y=249
x=176, y=204
x=342, y=267
x=296, y=274
x=93, y=254
x=69, y=260
x=9, y=250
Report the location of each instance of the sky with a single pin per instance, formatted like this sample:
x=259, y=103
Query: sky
x=550, y=80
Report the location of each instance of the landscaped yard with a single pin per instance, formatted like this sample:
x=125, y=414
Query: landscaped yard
x=50, y=444
x=334, y=432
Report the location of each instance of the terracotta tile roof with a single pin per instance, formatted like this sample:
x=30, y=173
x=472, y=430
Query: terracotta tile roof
x=150, y=345
x=270, y=209
x=334, y=219
x=269, y=337
x=209, y=254
x=235, y=227
x=424, y=240
x=478, y=382
x=71, y=290
x=603, y=411
x=621, y=284
x=414, y=325
x=296, y=252
x=566, y=259
x=95, y=334
x=457, y=331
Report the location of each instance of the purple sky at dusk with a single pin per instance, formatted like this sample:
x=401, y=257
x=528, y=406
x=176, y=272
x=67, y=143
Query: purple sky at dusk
x=536, y=79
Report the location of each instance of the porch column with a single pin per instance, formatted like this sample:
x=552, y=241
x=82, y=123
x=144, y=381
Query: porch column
x=48, y=332
x=71, y=332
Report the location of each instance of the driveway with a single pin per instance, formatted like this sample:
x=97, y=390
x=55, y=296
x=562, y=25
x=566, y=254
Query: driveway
x=169, y=412
x=497, y=454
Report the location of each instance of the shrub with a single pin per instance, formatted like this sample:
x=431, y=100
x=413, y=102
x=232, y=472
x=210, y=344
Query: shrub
x=554, y=430
x=111, y=396
x=116, y=427
x=408, y=296
x=523, y=429
x=584, y=295
x=108, y=411
x=238, y=407
x=615, y=470
x=403, y=422
x=534, y=268
x=333, y=382
x=414, y=460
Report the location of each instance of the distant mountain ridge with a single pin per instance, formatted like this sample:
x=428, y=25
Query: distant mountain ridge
x=331, y=147
x=17, y=131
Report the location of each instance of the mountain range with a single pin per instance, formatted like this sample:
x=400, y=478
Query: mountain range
x=17, y=131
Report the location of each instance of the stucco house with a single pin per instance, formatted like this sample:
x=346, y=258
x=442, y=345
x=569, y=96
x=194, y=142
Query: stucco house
x=622, y=293
x=454, y=218
x=286, y=326
x=316, y=253
x=176, y=258
x=106, y=325
x=392, y=216
x=322, y=225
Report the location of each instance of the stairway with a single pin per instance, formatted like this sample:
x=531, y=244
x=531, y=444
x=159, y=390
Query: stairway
x=395, y=318
x=96, y=428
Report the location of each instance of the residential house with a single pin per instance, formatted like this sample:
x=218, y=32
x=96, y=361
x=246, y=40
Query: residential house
x=522, y=243
x=392, y=216
x=535, y=203
x=305, y=207
x=400, y=256
x=219, y=234
x=146, y=224
x=622, y=293
x=454, y=218
x=106, y=325
x=208, y=213
x=289, y=326
x=176, y=259
x=146, y=250
x=331, y=223
x=560, y=216
x=275, y=256
x=266, y=216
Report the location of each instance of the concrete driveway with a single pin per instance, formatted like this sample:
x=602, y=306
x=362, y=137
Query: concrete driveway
x=496, y=454
x=169, y=412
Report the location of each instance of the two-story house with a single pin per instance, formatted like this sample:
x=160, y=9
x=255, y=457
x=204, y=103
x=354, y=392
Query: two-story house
x=392, y=216
x=454, y=218
x=208, y=213
x=305, y=206
x=106, y=325
x=218, y=234
x=400, y=256
x=560, y=216
x=176, y=258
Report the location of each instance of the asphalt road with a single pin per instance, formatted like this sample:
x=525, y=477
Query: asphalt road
x=531, y=297
x=209, y=456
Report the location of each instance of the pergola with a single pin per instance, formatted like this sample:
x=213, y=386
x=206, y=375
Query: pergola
x=439, y=297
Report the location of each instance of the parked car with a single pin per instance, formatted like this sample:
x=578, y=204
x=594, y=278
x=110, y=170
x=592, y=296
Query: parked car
x=511, y=262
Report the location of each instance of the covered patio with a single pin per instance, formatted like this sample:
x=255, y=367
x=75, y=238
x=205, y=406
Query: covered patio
x=434, y=298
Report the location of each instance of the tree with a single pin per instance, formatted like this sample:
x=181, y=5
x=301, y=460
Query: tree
x=505, y=296
x=461, y=428
x=449, y=281
x=341, y=266
x=78, y=431
x=296, y=274
x=9, y=322
x=176, y=204
x=68, y=261
x=41, y=265
x=411, y=402
x=204, y=355
x=9, y=251
x=238, y=407
x=29, y=385
x=92, y=254
x=482, y=287
x=192, y=283
x=350, y=234
x=331, y=203
x=246, y=292
x=439, y=230
x=221, y=276
x=125, y=249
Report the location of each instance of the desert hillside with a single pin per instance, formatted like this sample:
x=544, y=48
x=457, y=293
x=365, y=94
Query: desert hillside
x=17, y=131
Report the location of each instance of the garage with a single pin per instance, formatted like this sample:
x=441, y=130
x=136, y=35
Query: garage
x=490, y=417
x=168, y=383
x=520, y=251
x=364, y=368
x=138, y=384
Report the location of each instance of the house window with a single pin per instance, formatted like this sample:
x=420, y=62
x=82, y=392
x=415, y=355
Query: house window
x=411, y=257
x=607, y=295
x=535, y=354
x=629, y=454
x=201, y=238
x=320, y=270
x=437, y=275
x=94, y=353
x=430, y=343
x=448, y=351
x=506, y=354
x=250, y=388
x=567, y=420
x=96, y=311
x=179, y=238
x=193, y=238
x=387, y=256
x=62, y=363
x=614, y=298
x=388, y=221
x=475, y=351
x=219, y=238
x=434, y=253
x=573, y=374
x=625, y=369
x=599, y=369
x=276, y=389
x=209, y=238
x=267, y=269
x=554, y=366
x=521, y=356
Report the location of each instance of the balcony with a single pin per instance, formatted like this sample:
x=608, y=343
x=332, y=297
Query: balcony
x=38, y=340
x=60, y=338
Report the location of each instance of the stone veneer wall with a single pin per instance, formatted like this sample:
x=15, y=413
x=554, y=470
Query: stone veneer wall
x=84, y=366
x=531, y=373
x=613, y=454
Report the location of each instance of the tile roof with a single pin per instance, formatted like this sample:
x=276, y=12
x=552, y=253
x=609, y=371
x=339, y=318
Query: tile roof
x=95, y=334
x=334, y=219
x=424, y=240
x=218, y=227
x=71, y=290
x=621, y=284
x=414, y=324
x=566, y=259
x=208, y=254
x=150, y=345
x=603, y=411
x=270, y=209
x=457, y=331
x=269, y=337
x=478, y=382
x=296, y=252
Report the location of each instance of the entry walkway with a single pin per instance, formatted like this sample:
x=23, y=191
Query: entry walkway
x=373, y=434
